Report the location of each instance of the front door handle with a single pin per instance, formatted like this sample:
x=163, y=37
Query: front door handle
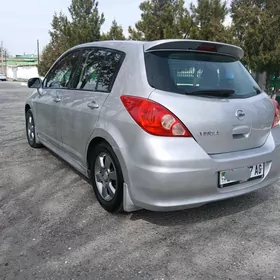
x=92, y=105
x=57, y=99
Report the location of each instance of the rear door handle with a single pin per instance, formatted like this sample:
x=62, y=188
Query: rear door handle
x=56, y=99
x=240, y=131
x=92, y=105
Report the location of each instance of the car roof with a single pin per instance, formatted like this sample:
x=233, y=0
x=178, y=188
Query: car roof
x=166, y=44
x=113, y=44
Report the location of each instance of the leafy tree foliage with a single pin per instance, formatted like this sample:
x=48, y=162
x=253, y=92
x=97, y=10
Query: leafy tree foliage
x=256, y=26
x=86, y=21
x=208, y=18
x=115, y=32
x=161, y=19
x=83, y=26
x=47, y=59
x=135, y=34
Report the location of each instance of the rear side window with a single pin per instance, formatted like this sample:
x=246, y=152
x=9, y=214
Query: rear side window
x=109, y=71
x=188, y=72
x=97, y=70
x=92, y=62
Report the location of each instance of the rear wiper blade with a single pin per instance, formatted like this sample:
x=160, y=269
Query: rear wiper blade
x=257, y=90
x=213, y=92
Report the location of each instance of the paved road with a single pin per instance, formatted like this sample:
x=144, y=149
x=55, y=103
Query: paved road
x=51, y=226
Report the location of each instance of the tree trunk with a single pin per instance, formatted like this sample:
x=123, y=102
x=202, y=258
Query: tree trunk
x=267, y=83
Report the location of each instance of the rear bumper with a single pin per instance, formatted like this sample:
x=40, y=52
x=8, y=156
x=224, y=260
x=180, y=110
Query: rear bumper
x=161, y=178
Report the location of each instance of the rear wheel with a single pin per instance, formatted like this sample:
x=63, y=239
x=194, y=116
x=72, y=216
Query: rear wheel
x=30, y=130
x=107, y=178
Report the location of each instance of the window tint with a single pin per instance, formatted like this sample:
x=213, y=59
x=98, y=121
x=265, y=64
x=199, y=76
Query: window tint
x=60, y=75
x=98, y=69
x=92, y=61
x=109, y=71
x=184, y=72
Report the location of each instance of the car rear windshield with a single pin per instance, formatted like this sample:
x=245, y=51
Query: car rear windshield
x=198, y=73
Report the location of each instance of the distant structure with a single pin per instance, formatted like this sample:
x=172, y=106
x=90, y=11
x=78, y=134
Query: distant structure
x=21, y=66
x=22, y=60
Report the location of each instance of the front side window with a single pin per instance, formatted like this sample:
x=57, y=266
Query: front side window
x=190, y=72
x=98, y=69
x=60, y=74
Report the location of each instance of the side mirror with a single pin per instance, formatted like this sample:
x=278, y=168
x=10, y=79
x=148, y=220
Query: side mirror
x=34, y=83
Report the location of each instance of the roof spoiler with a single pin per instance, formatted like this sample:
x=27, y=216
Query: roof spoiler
x=194, y=45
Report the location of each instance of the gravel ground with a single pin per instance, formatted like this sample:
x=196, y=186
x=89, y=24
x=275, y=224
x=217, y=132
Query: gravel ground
x=51, y=226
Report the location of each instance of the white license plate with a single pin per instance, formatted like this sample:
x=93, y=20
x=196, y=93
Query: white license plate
x=240, y=175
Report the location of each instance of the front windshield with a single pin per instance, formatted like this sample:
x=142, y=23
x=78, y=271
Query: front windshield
x=187, y=72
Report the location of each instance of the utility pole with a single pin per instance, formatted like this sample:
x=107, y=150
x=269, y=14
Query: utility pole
x=2, y=56
x=38, y=51
x=6, y=63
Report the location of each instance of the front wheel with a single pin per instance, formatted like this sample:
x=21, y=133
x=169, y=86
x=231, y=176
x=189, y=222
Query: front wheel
x=107, y=178
x=30, y=130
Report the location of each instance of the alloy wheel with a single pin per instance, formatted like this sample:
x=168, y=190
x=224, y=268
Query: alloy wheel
x=30, y=128
x=105, y=176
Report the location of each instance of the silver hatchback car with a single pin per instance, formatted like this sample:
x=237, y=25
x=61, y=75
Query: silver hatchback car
x=162, y=125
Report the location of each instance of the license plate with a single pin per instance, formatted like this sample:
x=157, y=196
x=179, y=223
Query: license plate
x=240, y=175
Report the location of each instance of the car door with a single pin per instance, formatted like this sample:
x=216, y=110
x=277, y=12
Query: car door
x=81, y=106
x=47, y=105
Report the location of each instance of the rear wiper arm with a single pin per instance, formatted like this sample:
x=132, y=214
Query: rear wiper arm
x=257, y=90
x=213, y=92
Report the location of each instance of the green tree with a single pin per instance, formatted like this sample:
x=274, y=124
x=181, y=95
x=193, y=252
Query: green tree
x=135, y=34
x=161, y=19
x=46, y=59
x=115, y=32
x=208, y=18
x=83, y=26
x=256, y=26
x=86, y=21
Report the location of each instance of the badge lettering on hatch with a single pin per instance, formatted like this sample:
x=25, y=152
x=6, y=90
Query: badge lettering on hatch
x=209, y=133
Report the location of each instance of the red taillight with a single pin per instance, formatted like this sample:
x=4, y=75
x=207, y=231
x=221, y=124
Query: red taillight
x=276, y=113
x=207, y=47
x=153, y=117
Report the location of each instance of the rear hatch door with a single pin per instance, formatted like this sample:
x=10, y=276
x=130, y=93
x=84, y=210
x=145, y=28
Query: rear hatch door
x=214, y=123
x=213, y=95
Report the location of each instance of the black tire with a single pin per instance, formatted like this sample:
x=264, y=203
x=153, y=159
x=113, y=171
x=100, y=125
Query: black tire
x=116, y=204
x=31, y=141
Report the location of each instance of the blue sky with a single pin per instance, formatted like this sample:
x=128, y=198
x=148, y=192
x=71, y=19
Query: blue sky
x=22, y=22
